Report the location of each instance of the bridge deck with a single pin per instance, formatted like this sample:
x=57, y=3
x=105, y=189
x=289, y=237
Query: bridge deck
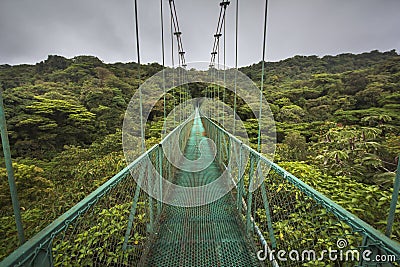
x=208, y=235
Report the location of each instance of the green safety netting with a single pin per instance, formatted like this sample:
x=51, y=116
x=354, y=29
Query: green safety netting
x=120, y=224
x=208, y=235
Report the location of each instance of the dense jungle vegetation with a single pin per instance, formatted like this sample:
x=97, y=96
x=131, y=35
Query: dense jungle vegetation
x=337, y=118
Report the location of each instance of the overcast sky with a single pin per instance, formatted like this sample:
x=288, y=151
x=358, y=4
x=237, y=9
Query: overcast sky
x=32, y=29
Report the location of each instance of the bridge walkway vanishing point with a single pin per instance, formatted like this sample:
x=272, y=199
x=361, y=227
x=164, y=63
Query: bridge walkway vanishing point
x=208, y=235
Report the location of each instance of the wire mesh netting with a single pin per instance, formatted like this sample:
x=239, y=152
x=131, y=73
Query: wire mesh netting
x=292, y=224
x=111, y=226
x=96, y=237
x=206, y=235
x=270, y=217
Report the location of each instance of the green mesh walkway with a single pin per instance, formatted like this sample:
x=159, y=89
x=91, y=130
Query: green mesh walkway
x=209, y=235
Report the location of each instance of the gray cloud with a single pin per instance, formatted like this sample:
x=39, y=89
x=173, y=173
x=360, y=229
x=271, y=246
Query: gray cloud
x=30, y=30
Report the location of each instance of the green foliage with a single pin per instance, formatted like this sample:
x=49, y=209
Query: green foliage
x=294, y=147
x=47, y=191
x=32, y=186
x=338, y=114
x=291, y=114
x=91, y=247
x=356, y=197
x=349, y=151
x=34, y=220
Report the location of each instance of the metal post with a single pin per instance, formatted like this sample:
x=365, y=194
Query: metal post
x=132, y=213
x=240, y=182
x=393, y=203
x=227, y=147
x=10, y=172
x=268, y=214
x=150, y=180
x=249, y=196
x=169, y=169
x=160, y=177
x=219, y=148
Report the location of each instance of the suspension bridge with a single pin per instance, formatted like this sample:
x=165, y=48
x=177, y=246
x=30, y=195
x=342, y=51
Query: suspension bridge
x=203, y=196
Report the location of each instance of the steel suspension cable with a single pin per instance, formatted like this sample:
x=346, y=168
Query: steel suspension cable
x=218, y=71
x=215, y=54
x=215, y=40
x=180, y=86
x=218, y=33
x=181, y=53
x=139, y=77
x=163, y=64
x=223, y=92
x=214, y=80
x=173, y=66
x=236, y=65
x=262, y=75
x=179, y=33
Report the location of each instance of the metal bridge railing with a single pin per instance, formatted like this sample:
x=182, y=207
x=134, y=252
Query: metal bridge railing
x=291, y=223
x=111, y=225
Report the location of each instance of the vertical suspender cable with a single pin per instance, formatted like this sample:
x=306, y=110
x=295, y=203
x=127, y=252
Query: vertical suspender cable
x=173, y=67
x=139, y=77
x=181, y=58
x=213, y=85
x=211, y=89
x=180, y=88
x=180, y=49
x=218, y=70
x=187, y=91
x=262, y=75
x=163, y=64
x=160, y=154
x=215, y=89
x=236, y=65
x=215, y=54
x=225, y=5
x=223, y=90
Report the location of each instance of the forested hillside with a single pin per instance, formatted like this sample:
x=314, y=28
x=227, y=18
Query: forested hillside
x=341, y=113
x=337, y=117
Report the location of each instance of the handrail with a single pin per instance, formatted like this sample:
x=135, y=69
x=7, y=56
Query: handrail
x=27, y=250
x=44, y=238
x=359, y=225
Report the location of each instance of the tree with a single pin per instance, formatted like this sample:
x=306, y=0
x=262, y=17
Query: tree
x=350, y=151
x=291, y=114
x=293, y=148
